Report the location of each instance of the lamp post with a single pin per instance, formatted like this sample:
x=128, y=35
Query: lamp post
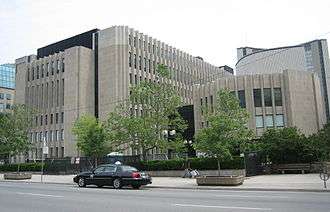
x=188, y=144
x=169, y=134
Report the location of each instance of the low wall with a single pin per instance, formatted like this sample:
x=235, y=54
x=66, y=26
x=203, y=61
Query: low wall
x=180, y=173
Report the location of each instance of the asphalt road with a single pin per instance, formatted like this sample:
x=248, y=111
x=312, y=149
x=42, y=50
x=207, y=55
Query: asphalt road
x=60, y=198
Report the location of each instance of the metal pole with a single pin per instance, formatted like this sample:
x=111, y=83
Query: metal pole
x=42, y=166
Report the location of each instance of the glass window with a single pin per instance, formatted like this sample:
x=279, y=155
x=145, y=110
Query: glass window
x=2, y=106
x=269, y=121
x=2, y=95
x=62, y=117
x=110, y=169
x=278, y=96
x=268, y=97
x=99, y=169
x=259, y=122
x=128, y=169
x=8, y=106
x=257, y=97
x=279, y=120
x=62, y=135
x=8, y=96
x=241, y=97
x=56, y=118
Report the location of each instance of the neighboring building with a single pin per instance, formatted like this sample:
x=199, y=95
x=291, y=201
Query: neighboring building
x=287, y=99
x=92, y=73
x=7, y=87
x=311, y=56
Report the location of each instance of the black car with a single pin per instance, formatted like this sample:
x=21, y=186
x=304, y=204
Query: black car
x=113, y=175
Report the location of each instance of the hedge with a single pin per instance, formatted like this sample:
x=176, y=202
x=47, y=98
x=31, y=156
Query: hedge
x=195, y=163
x=32, y=167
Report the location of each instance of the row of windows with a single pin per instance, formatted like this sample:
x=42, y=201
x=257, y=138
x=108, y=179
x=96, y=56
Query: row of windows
x=5, y=106
x=7, y=76
x=270, y=121
x=180, y=73
x=45, y=70
x=46, y=95
x=268, y=97
x=52, y=135
x=8, y=96
x=43, y=119
x=53, y=152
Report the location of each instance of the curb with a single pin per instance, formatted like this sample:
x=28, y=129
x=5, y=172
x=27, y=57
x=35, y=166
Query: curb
x=194, y=188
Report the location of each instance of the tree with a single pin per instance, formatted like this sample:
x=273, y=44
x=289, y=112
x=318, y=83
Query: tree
x=151, y=110
x=14, y=130
x=91, y=137
x=227, y=128
x=320, y=143
x=287, y=145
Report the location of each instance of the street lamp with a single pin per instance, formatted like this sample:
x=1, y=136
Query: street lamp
x=168, y=134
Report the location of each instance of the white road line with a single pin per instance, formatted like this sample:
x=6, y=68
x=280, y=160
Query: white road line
x=253, y=196
x=223, y=207
x=40, y=195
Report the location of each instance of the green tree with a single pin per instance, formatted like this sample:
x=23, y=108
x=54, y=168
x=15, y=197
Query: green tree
x=320, y=143
x=14, y=130
x=156, y=104
x=287, y=145
x=227, y=128
x=91, y=137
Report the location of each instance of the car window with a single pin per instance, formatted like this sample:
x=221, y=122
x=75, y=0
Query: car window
x=99, y=169
x=110, y=169
x=128, y=169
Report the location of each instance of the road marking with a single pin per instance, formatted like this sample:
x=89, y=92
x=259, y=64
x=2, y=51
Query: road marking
x=252, y=196
x=40, y=195
x=223, y=207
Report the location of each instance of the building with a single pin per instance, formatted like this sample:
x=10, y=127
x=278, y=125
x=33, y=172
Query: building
x=312, y=56
x=287, y=99
x=7, y=87
x=92, y=73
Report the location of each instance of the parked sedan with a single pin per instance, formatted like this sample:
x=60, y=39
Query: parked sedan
x=113, y=175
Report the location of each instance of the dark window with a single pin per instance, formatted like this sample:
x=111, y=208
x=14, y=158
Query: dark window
x=135, y=61
x=58, y=66
x=46, y=119
x=37, y=72
x=140, y=62
x=278, y=96
x=42, y=70
x=56, y=118
x=52, y=68
x=128, y=169
x=145, y=64
x=135, y=80
x=268, y=97
x=36, y=120
x=211, y=102
x=257, y=97
x=8, y=106
x=28, y=74
x=51, y=118
x=130, y=78
x=47, y=69
x=241, y=98
x=130, y=59
x=63, y=65
x=41, y=120
x=62, y=117
x=32, y=73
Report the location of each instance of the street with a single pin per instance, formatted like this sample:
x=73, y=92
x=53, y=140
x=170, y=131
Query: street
x=55, y=197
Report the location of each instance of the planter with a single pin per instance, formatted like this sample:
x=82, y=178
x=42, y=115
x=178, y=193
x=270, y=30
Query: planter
x=17, y=176
x=220, y=180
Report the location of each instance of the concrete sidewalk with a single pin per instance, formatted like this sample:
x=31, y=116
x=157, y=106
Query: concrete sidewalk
x=283, y=182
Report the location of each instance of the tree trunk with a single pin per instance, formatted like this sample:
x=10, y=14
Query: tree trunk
x=18, y=166
x=219, y=167
x=95, y=161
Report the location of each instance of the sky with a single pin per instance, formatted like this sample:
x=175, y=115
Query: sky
x=212, y=29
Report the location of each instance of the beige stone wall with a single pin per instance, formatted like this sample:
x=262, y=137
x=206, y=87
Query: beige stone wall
x=301, y=99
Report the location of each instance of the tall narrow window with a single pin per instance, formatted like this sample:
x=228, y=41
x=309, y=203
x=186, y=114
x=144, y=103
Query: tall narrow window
x=257, y=97
x=259, y=122
x=62, y=117
x=42, y=70
x=135, y=61
x=268, y=97
x=32, y=73
x=279, y=120
x=47, y=69
x=241, y=98
x=63, y=65
x=211, y=102
x=278, y=96
x=28, y=74
x=269, y=121
x=129, y=59
x=62, y=93
x=37, y=72
x=145, y=64
x=58, y=66
x=56, y=118
x=130, y=78
x=57, y=92
x=52, y=68
x=140, y=63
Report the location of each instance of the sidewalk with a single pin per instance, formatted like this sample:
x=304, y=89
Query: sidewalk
x=283, y=182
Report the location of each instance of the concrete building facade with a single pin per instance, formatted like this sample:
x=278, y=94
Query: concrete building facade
x=287, y=99
x=312, y=56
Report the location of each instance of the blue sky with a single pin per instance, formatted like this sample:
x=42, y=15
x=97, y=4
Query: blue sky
x=212, y=29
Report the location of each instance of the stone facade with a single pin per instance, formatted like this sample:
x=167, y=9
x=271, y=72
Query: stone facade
x=287, y=99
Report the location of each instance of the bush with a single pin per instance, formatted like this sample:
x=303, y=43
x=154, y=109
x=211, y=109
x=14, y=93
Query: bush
x=195, y=163
x=31, y=167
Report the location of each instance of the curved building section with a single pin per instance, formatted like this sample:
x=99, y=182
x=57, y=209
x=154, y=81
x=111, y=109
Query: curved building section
x=311, y=56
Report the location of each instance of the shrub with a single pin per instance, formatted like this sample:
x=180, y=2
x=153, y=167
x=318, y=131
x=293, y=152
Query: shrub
x=32, y=167
x=195, y=163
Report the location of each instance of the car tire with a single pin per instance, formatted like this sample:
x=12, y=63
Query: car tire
x=117, y=183
x=136, y=186
x=81, y=182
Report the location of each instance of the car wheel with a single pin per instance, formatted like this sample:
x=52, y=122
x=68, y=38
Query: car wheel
x=117, y=183
x=81, y=182
x=136, y=186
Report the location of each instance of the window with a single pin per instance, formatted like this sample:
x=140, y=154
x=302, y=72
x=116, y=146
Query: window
x=278, y=96
x=62, y=135
x=51, y=135
x=36, y=120
x=241, y=98
x=112, y=169
x=52, y=68
x=211, y=102
x=42, y=70
x=28, y=74
x=2, y=95
x=51, y=118
x=46, y=119
x=56, y=135
x=63, y=65
x=8, y=106
x=129, y=59
x=135, y=80
x=41, y=120
x=140, y=63
x=145, y=64
x=135, y=61
x=99, y=169
x=37, y=72
x=56, y=118
x=279, y=120
x=47, y=69
x=32, y=73
x=269, y=121
x=58, y=66
x=130, y=78
x=257, y=97
x=62, y=152
x=268, y=97
x=259, y=122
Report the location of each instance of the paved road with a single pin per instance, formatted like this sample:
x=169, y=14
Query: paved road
x=50, y=197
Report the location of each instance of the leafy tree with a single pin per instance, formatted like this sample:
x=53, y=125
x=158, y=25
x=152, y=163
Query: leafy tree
x=14, y=129
x=287, y=145
x=91, y=137
x=227, y=128
x=151, y=109
x=320, y=143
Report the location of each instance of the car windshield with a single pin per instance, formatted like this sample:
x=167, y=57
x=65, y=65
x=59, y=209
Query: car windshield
x=128, y=169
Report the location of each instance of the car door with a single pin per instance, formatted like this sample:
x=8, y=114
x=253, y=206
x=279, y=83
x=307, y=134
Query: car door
x=97, y=177
x=109, y=174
